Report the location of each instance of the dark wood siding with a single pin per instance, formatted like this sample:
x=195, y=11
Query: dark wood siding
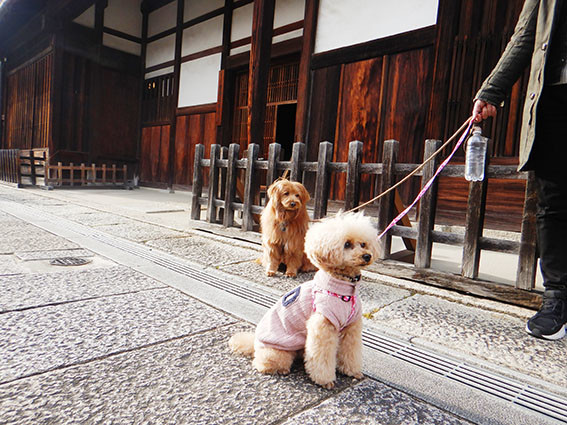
x=372, y=100
x=28, y=105
x=192, y=129
x=154, y=154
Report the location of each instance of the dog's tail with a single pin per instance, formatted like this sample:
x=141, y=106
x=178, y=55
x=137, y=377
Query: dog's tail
x=242, y=343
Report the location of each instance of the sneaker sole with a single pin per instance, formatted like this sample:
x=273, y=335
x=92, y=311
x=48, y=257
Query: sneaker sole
x=557, y=335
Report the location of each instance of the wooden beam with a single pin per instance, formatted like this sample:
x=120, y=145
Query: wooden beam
x=176, y=79
x=149, y=6
x=410, y=40
x=262, y=31
x=304, y=81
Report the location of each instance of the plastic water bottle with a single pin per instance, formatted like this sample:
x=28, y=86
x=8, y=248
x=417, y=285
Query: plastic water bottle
x=475, y=155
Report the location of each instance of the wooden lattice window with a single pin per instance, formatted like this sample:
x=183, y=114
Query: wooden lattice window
x=157, y=100
x=282, y=92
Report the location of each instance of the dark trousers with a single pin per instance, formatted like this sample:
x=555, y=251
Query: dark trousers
x=552, y=231
x=550, y=165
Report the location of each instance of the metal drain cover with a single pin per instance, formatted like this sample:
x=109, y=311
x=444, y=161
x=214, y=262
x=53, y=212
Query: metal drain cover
x=69, y=261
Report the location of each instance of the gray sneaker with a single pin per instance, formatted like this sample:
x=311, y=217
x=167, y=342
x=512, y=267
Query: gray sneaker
x=549, y=321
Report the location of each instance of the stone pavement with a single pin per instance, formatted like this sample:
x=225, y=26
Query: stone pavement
x=139, y=333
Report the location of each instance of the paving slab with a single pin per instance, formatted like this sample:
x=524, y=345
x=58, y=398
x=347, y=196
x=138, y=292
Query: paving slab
x=10, y=265
x=33, y=290
x=490, y=336
x=251, y=270
x=7, y=219
x=53, y=254
x=26, y=237
x=42, y=339
x=140, y=232
x=205, y=251
x=372, y=402
x=192, y=380
x=95, y=218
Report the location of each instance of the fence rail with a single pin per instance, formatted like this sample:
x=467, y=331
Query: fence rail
x=226, y=171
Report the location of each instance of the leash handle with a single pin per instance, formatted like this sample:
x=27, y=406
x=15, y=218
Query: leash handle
x=430, y=182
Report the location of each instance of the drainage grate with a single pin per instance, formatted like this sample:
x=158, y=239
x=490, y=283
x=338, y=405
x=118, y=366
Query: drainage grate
x=69, y=261
x=515, y=392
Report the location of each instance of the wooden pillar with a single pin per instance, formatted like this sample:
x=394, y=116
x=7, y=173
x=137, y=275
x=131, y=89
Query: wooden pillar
x=2, y=107
x=143, y=55
x=225, y=98
x=262, y=31
x=527, y=261
x=352, y=192
x=447, y=27
x=323, y=180
x=304, y=82
x=427, y=206
x=474, y=223
x=386, y=202
x=176, y=78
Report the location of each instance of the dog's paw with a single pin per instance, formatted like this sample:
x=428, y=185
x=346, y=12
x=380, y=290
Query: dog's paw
x=329, y=385
x=358, y=376
x=270, y=273
x=290, y=274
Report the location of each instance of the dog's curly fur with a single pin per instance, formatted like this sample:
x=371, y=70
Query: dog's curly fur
x=340, y=246
x=283, y=224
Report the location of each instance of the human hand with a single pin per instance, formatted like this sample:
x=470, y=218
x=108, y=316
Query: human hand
x=482, y=110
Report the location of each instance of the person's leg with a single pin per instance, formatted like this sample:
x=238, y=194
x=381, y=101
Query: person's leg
x=551, y=179
x=549, y=322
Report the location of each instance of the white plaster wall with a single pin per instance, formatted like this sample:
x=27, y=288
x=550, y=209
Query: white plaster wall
x=195, y=8
x=160, y=51
x=162, y=19
x=288, y=11
x=121, y=44
x=125, y=16
x=199, y=81
x=202, y=36
x=345, y=23
x=86, y=18
x=159, y=72
x=241, y=22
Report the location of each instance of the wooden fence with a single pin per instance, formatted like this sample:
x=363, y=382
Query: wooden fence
x=30, y=167
x=83, y=175
x=225, y=167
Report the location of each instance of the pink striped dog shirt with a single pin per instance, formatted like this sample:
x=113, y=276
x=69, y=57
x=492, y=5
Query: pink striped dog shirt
x=283, y=326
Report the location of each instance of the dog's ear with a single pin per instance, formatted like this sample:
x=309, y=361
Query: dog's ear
x=274, y=190
x=325, y=256
x=304, y=193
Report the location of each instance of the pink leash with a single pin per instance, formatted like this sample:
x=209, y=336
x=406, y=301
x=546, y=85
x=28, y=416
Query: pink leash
x=430, y=182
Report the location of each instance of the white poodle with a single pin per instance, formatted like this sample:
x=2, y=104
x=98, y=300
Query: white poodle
x=322, y=317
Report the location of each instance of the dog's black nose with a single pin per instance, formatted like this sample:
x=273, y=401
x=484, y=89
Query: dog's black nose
x=367, y=257
x=293, y=204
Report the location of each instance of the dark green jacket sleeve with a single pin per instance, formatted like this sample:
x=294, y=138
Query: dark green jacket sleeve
x=515, y=58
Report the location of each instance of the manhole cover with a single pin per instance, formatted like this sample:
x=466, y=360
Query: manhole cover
x=69, y=261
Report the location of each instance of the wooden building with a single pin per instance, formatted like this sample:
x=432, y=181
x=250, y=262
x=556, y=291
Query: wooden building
x=142, y=82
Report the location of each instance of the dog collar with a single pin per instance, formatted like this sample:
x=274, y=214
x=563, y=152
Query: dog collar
x=352, y=279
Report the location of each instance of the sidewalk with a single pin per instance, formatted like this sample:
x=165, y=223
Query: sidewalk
x=138, y=335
